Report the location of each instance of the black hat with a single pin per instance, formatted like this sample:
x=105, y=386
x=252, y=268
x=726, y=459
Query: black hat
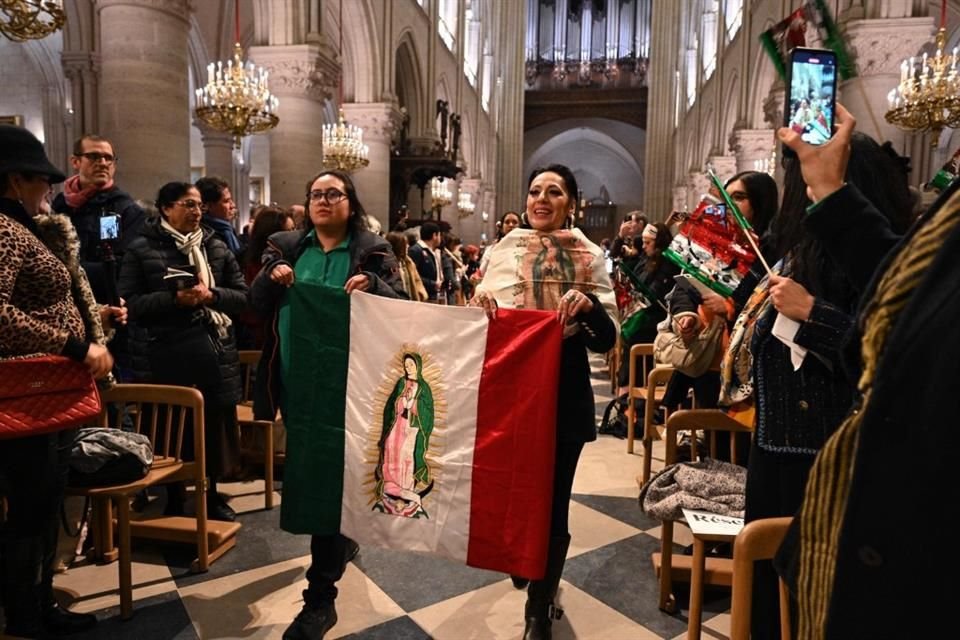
x=20, y=151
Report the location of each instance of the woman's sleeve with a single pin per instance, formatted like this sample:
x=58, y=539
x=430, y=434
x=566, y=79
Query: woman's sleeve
x=824, y=332
x=853, y=232
x=598, y=328
x=21, y=333
x=265, y=294
x=386, y=280
x=134, y=286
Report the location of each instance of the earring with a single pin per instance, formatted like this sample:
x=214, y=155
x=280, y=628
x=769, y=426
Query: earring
x=523, y=219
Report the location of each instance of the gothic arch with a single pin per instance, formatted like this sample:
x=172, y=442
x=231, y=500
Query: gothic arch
x=362, y=70
x=409, y=81
x=705, y=144
x=764, y=77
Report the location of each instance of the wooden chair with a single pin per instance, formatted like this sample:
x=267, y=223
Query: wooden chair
x=245, y=422
x=650, y=385
x=613, y=364
x=699, y=569
x=163, y=413
x=759, y=540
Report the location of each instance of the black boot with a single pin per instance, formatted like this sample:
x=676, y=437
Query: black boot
x=540, y=611
x=56, y=620
x=217, y=507
x=519, y=582
x=21, y=578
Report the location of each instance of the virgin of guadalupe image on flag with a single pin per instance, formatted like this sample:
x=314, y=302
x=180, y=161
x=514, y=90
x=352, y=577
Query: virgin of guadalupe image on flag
x=403, y=476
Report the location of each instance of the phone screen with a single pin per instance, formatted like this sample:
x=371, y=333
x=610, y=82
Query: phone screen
x=812, y=94
x=109, y=227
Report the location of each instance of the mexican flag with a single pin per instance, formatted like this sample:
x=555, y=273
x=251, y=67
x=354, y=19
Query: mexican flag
x=420, y=427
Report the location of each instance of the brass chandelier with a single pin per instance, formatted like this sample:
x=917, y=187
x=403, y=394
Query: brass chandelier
x=236, y=98
x=22, y=20
x=343, y=146
x=928, y=97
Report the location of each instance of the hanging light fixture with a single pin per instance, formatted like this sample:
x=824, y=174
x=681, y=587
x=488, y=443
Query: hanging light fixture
x=236, y=98
x=928, y=97
x=440, y=195
x=22, y=20
x=465, y=205
x=343, y=146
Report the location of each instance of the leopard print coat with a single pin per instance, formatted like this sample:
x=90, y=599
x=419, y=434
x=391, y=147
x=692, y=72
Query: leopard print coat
x=44, y=294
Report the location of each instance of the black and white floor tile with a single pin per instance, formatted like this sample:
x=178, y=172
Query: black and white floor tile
x=609, y=590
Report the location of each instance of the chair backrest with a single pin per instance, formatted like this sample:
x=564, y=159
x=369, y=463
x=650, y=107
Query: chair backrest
x=248, y=364
x=644, y=354
x=696, y=420
x=758, y=540
x=164, y=413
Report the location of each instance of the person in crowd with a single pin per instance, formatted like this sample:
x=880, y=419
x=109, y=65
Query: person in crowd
x=453, y=269
x=849, y=557
x=426, y=255
x=653, y=277
x=182, y=285
x=755, y=194
x=471, y=274
x=46, y=306
x=507, y=223
x=337, y=251
x=90, y=195
x=625, y=247
x=587, y=310
x=269, y=221
x=219, y=212
x=412, y=284
x=799, y=405
x=299, y=214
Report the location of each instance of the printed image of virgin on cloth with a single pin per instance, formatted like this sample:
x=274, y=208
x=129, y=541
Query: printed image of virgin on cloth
x=402, y=474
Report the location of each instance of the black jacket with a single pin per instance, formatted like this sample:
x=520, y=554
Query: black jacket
x=426, y=267
x=576, y=409
x=153, y=311
x=86, y=220
x=909, y=424
x=369, y=254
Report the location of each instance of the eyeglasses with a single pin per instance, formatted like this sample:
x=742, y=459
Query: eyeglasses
x=189, y=204
x=95, y=157
x=333, y=196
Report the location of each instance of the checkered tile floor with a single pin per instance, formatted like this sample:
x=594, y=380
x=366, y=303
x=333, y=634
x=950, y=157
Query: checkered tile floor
x=608, y=592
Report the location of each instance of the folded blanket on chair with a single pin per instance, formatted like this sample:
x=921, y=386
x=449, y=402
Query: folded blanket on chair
x=707, y=485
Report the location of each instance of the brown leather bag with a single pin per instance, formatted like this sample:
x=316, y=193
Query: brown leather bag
x=45, y=393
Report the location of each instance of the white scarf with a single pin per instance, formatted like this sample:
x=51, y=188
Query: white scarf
x=191, y=245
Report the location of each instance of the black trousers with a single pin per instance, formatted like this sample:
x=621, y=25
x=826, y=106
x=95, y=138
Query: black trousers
x=565, y=468
x=775, y=486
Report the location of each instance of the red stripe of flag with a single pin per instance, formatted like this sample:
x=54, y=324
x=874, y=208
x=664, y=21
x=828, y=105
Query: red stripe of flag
x=514, y=454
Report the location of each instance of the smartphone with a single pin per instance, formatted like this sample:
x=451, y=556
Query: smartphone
x=811, y=98
x=110, y=226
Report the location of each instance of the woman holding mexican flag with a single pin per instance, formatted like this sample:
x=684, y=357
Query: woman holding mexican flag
x=548, y=266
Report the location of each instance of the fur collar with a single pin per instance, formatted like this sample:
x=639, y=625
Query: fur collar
x=57, y=233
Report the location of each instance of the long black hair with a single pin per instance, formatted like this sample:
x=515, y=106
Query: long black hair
x=762, y=193
x=569, y=183
x=357, y=221
x=878, y=172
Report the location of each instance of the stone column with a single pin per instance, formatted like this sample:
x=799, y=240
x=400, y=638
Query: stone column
x=143, y=91
x=82, y=69
x=379, y=121
x=724, y=166
x=880, y=46
x=301, y=76
x=509, y=87
x=697, y=185
x=679, y=199
x=750, y=145
x=218, y=155
x=659, y=154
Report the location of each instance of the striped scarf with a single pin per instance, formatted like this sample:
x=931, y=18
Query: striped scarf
x=828, y=486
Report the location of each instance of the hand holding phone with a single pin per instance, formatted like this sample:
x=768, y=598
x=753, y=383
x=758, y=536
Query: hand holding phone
x=823, y=167
x=810, y=102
